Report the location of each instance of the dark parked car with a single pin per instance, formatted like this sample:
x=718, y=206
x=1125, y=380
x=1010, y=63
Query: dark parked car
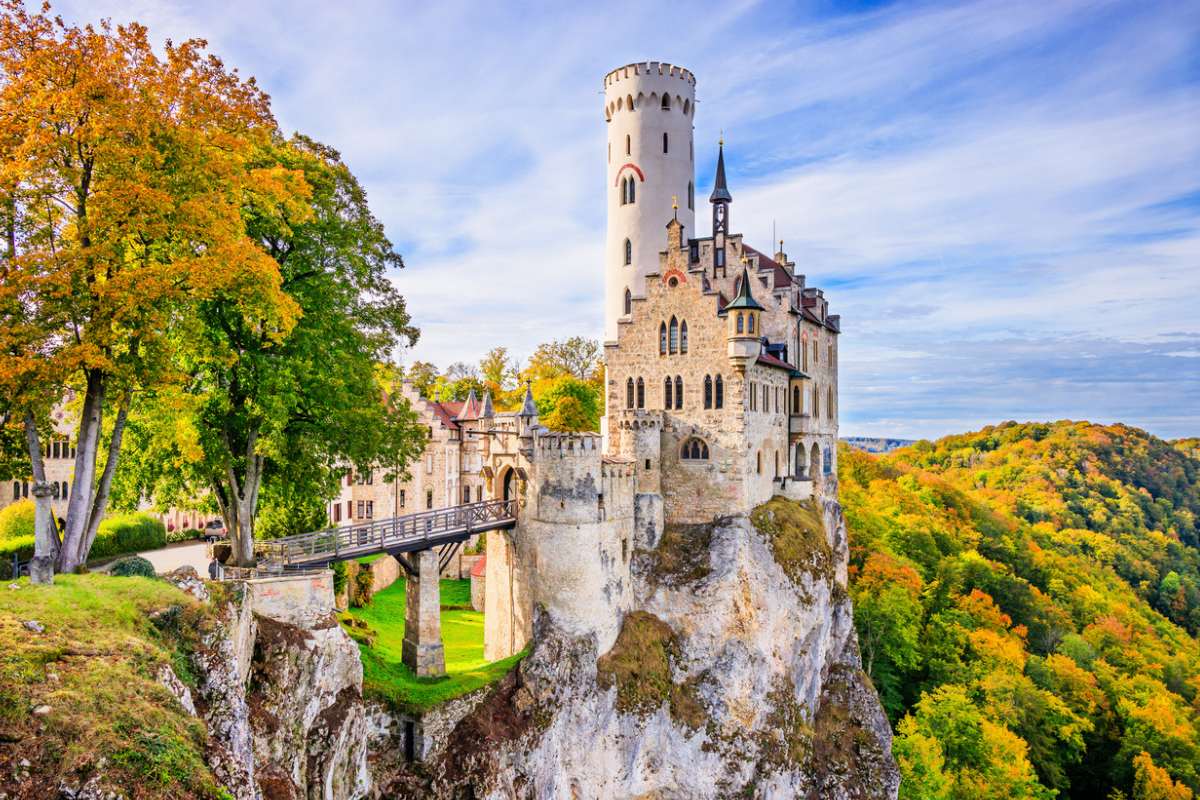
x=214, y=531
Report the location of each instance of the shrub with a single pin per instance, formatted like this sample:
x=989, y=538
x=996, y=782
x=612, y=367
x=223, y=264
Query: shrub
x=136, y=565
x=21, y=546
x=339, y=577
x=363, y=587
x=17, y=520
x=181, y=534
x=128, y=533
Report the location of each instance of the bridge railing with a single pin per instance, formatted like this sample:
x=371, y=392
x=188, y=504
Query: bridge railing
x=383, y=534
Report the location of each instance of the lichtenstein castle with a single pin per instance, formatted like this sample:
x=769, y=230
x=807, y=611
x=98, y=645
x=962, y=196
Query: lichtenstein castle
x=721, y=386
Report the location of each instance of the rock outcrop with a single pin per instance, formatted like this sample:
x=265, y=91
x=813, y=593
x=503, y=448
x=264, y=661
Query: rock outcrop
x=738, y=674
x=282, y=700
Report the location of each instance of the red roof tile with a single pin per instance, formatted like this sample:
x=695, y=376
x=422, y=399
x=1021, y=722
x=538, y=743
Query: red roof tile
x=446, y=412
x=782, y=278
x=772, y=361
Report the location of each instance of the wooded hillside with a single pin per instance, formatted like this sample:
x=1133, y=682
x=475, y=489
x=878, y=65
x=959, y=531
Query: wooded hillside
x=1028, y=600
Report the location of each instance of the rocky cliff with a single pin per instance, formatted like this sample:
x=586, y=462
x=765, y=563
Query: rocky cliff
x=281, y=695
x=738, y=674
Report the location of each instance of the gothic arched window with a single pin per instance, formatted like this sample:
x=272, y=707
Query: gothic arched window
x=632, y=190
x=629, y=393
x=628, y=302
x=708, y=397
x=750, y=323
x=641, y=394
x=673, y=342
x=628, y=252
x=740, y=323
x=678, y=392
x=694, y=449
x=683, y=336
x=666, y=102
x=662, y=338
x=719, y=393
x=668, y=400
x=795, y=399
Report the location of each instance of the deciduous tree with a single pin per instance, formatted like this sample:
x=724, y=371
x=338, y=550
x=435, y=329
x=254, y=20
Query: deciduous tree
x=123, y=178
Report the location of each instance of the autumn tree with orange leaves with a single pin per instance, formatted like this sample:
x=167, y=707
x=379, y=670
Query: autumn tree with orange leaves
x=123, y=179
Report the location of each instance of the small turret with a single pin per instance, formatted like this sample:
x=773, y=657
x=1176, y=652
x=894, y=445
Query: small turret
x=744, y=324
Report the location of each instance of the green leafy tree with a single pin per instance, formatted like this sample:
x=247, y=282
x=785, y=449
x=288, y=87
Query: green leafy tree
x=569, y=404
x=292, y=411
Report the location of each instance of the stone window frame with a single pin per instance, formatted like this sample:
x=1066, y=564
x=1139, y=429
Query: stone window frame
x=708, y=391
x=629, y=393
x=678, y=392
x=693, y=449
x=719, y=392
x=641, y=393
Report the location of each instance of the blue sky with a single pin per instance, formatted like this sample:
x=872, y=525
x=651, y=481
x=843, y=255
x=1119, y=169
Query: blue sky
x=1002, y=199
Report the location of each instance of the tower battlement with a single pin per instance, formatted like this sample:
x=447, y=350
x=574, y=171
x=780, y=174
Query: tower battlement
x=647, y=69
x=561, y=442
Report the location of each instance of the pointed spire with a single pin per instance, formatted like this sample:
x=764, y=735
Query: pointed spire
x=470, y=407
x=744, y=299
x=487, y=412
x=720, y=190
x=528, y=408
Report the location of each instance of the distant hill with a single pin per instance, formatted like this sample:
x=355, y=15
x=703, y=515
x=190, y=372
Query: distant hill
x=1027, y=599
x=870, y=444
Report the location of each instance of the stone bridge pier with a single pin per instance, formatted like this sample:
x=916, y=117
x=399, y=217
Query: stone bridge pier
x=422, y=650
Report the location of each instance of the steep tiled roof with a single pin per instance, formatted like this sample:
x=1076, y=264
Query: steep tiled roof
x=446, y=412
x=780, y=275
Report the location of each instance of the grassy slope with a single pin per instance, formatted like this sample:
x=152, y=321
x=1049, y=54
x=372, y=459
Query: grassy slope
x=94, y=668
x=385, y=677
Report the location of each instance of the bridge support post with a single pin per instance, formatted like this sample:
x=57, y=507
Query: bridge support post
x=422, y=650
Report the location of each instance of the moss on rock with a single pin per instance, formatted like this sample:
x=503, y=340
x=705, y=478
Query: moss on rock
x=639, y=665
x=796, y=534
x=682, y=554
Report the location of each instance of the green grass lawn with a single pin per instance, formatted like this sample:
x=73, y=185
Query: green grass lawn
x=385, y=677
x=93, y=669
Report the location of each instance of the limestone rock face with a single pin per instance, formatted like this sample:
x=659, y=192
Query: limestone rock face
x=282, y=700
x=738, y=674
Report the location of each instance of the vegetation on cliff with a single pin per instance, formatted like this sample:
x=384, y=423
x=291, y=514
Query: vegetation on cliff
x=1027, y=599
x=80, y=695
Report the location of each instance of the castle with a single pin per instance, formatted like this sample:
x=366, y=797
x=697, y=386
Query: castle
x=721, y=386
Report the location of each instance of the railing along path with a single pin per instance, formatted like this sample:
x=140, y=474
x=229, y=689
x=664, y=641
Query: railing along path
x=403, y=534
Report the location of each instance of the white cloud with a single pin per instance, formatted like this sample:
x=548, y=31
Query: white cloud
x=987, y=174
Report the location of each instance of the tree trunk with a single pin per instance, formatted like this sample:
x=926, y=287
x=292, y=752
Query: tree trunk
x=238, y=500
x=79, y=507
x=100, y=502
x=45, y=542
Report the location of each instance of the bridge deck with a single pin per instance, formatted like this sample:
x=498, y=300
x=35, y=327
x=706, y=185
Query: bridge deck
x=404, y=534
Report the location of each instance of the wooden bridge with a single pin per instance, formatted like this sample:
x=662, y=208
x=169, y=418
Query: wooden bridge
x=425, y=530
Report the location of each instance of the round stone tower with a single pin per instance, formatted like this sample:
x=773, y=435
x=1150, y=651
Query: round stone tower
x=648, y=108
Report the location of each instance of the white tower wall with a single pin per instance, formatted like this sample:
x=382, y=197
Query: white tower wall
x=659, y=175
